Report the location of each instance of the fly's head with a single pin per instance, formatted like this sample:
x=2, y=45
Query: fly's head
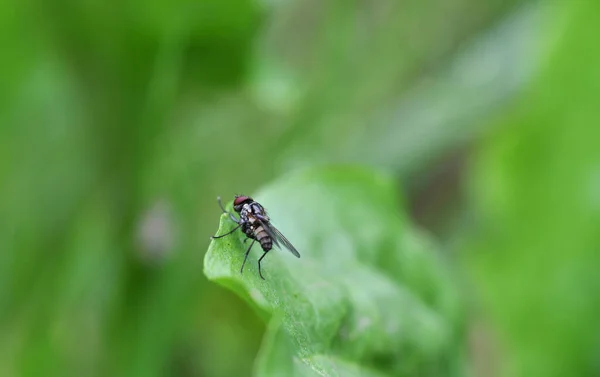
x=240, y=201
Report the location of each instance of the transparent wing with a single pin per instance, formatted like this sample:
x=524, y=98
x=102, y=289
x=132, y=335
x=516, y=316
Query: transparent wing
x=277, y=237
x=268, y=228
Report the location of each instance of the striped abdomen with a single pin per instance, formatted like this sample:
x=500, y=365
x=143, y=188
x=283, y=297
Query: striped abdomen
x=264, y=239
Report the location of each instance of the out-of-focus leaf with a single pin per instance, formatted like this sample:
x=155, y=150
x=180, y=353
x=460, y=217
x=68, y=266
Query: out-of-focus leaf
x=369, y=291
x=355, y=90
x=217, y=35
x=537, y=185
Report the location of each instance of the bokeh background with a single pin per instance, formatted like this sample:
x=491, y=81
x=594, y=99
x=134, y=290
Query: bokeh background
x=120, y=123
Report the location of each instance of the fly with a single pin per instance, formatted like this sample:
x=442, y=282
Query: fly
x=257, y=226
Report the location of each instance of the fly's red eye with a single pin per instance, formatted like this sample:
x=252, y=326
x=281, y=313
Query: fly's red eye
x=239, y=200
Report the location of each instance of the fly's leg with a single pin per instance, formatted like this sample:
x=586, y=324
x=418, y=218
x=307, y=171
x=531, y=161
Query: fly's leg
x=227, y=212
x=221, y=204
x=259, y=259
x=228, y=233
x=246, y=239
x=246, y=256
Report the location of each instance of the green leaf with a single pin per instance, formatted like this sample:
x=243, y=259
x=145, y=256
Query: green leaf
x=536, y=186
x=369, y=296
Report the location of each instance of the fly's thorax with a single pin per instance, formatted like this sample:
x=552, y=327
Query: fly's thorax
x=243, y=216
x=252, y=220
x=257, y=209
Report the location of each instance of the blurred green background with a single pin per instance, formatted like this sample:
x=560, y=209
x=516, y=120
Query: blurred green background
x=120, y=123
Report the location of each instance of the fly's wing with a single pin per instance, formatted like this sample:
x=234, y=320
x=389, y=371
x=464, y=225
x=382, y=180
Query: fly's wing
x=267, y=227
x=278, y=237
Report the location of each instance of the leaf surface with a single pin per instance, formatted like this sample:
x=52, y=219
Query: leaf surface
x=368, y=297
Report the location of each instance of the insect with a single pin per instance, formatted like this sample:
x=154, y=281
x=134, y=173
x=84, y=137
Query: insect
x=257, y=226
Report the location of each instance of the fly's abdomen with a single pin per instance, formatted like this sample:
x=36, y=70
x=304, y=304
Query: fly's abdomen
x=264, y=239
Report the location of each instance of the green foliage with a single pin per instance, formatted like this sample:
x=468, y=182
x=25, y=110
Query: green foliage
x=369, y=296
x=116, y=118
x=537, y=187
